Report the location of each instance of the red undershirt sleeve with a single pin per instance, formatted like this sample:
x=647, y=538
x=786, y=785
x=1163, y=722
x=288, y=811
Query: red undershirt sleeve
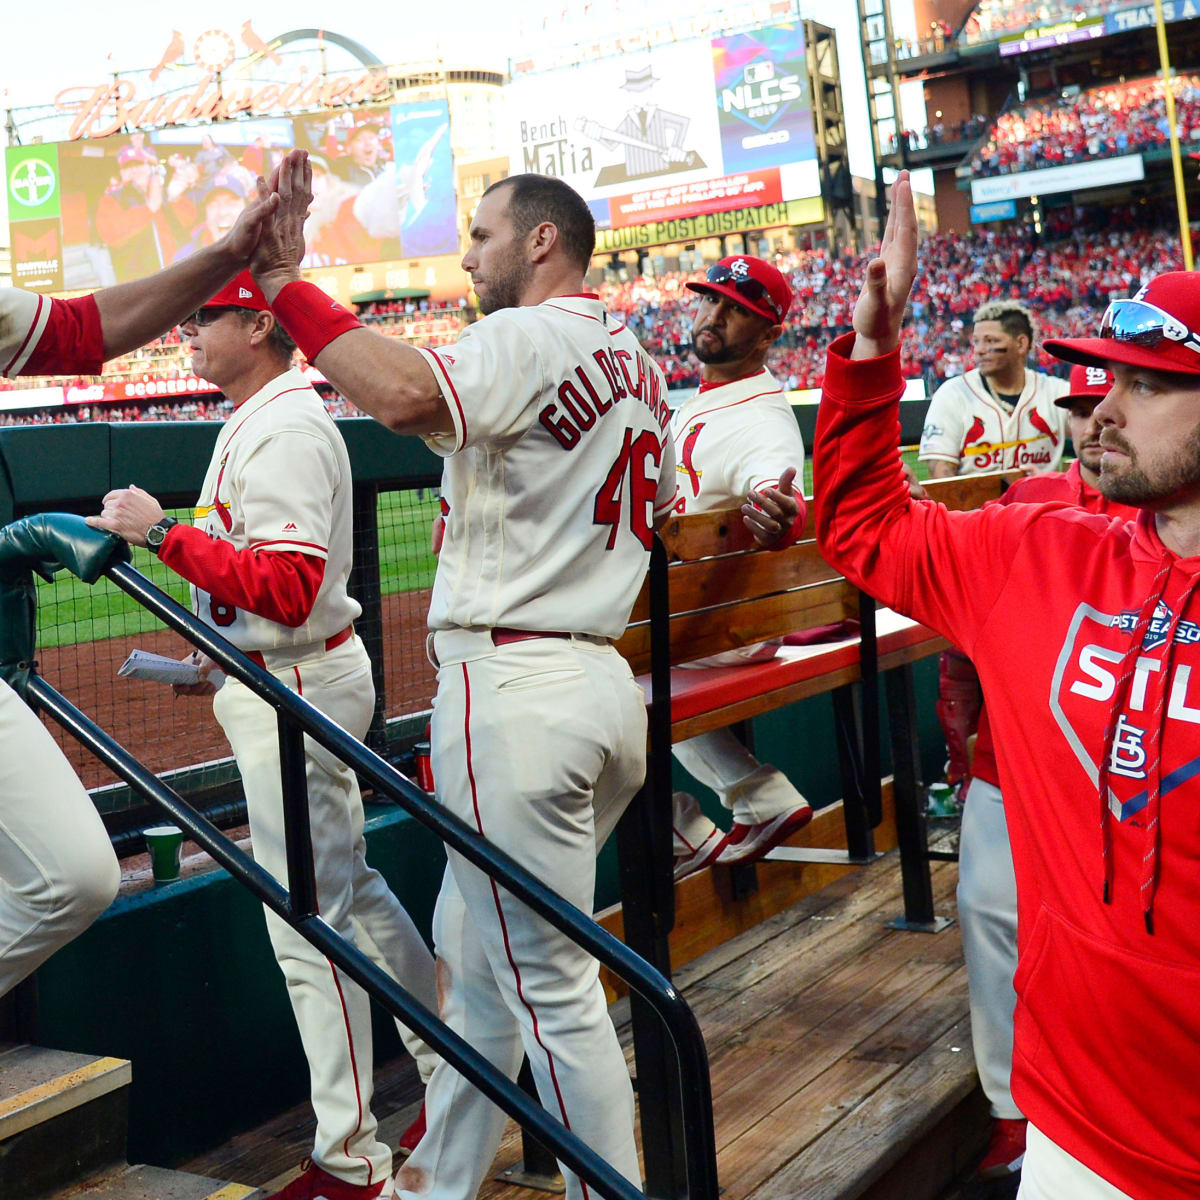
x=72, y=342
x=280, y=585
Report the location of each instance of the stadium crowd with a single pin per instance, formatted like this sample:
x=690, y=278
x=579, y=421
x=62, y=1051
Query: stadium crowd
x=1066, y=277
x=1102, y=122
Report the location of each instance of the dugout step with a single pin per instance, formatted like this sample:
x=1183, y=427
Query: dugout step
x=62, y=1115
x=153, y=1183
x=64, y=1121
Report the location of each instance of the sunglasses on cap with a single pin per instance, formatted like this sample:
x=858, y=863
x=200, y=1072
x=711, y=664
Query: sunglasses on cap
x=1140, y=324
x=210, y=314
x=744, y=285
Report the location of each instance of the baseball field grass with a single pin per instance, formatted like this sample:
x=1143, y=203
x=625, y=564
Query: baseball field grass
x=71, y=612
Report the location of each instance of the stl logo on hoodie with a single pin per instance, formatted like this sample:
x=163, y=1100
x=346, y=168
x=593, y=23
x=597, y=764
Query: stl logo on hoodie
x=1085, y=688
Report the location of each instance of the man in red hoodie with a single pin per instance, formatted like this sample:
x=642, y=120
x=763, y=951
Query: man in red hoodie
x=987, y=891
x=1104, y=777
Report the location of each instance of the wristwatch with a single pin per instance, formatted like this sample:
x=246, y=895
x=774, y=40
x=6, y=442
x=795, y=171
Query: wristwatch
x=157, y=533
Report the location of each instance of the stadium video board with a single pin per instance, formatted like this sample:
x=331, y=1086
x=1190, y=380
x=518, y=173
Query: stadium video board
x=94, y=212
x=681, y=131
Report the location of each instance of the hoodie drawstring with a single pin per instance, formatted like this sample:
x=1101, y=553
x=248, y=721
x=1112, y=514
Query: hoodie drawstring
x=1151, y=858
x=1120, y=698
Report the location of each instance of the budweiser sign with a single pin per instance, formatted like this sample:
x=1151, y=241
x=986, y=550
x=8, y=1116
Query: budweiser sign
x=120, y=104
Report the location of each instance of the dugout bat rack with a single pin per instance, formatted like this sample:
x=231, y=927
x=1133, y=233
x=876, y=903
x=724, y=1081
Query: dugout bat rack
x=694, y=1160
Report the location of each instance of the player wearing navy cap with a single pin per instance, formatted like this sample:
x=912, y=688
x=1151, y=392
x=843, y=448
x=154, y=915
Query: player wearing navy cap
x=737, y=443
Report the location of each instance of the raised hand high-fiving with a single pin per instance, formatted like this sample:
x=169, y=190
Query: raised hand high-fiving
x=276, y=258
x=879, y=312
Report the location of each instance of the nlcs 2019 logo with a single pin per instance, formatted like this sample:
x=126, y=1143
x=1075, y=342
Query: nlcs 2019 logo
x=763, y=95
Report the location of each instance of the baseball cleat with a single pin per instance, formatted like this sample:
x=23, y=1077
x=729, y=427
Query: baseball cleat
x=749, y=843
x=1006, y=1150
x=315, y=1184
x=704, y=855
x=411, y=1136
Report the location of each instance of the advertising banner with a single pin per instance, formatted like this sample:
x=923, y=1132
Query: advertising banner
x=998, y=210
x=95, y=212
x=763, y=103
x=700, y=126
x=690, y=229
x=1102, y=172
x=1063, y=33
x=1143, y=15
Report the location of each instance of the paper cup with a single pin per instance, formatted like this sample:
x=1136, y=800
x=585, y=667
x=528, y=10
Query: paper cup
x=164, y=843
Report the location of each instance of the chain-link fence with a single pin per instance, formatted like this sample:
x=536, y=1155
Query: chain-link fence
x=86, y=633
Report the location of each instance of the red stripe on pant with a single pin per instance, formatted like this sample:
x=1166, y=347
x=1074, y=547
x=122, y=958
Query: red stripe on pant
x=562, y=1108
x=337, y=983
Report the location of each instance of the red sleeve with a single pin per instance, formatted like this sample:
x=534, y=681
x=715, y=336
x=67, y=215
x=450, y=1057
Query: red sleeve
x=796, y=532
x=280, y=585
x=72, y=342
x=936, y=566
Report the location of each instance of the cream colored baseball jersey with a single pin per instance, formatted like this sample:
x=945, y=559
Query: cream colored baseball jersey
x=560, y=460
x=23, y=318
x=968, y=426
x=279, y=479
x=731, y=438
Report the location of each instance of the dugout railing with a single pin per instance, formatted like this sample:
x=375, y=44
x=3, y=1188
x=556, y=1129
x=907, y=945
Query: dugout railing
x=69, y=468
x=47, y=542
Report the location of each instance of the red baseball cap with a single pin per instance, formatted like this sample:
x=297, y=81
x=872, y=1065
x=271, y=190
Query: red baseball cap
x=750, y=283
x=1158, y=328
x=240, y=292
x=1086, y=383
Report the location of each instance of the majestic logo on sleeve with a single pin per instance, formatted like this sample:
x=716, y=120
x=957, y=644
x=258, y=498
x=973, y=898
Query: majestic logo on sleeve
x=1085, y=683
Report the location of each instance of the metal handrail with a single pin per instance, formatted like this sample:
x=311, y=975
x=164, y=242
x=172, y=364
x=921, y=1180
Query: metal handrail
x=295, y=715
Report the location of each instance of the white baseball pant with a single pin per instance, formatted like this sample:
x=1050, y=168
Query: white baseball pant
x=754, y=792
x=539, y=745
x=1050, y=1173
x=987, y=912
x=332, y=1013
x=58, y=872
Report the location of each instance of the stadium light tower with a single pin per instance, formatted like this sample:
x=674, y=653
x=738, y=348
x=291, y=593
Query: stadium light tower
x=1185, y=235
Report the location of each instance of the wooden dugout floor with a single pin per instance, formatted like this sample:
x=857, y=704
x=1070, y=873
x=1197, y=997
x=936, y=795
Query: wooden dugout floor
x=840, y=1054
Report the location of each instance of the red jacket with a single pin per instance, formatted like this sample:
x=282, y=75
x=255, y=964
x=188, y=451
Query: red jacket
x=1084, y=632
x=1048, y=486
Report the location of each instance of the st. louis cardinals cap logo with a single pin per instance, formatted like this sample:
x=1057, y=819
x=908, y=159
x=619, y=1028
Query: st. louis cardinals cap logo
x=739, y=268
x=1097, y=376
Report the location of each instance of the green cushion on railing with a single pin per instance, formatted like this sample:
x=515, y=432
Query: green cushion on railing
x=48, y=541
x=18, y=613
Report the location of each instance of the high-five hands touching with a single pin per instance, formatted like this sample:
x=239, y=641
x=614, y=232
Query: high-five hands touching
x=879, y=312
x=276, y=258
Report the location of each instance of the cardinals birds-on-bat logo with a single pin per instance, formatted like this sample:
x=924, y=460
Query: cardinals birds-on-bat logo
x=1039, y=423
x=258, y=46
x=973, y=434
x=172, y=54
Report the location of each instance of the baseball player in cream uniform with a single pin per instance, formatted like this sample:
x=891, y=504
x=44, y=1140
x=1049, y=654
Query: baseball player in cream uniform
x=57, y=868
x=559, y=462
x=999, y=416
x=736, y=441
x=268, y=558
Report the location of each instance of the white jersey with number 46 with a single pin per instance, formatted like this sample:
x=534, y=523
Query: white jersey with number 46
x=560, y=460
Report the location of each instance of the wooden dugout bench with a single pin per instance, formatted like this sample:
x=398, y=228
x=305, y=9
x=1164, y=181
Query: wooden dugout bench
x=710, y=589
